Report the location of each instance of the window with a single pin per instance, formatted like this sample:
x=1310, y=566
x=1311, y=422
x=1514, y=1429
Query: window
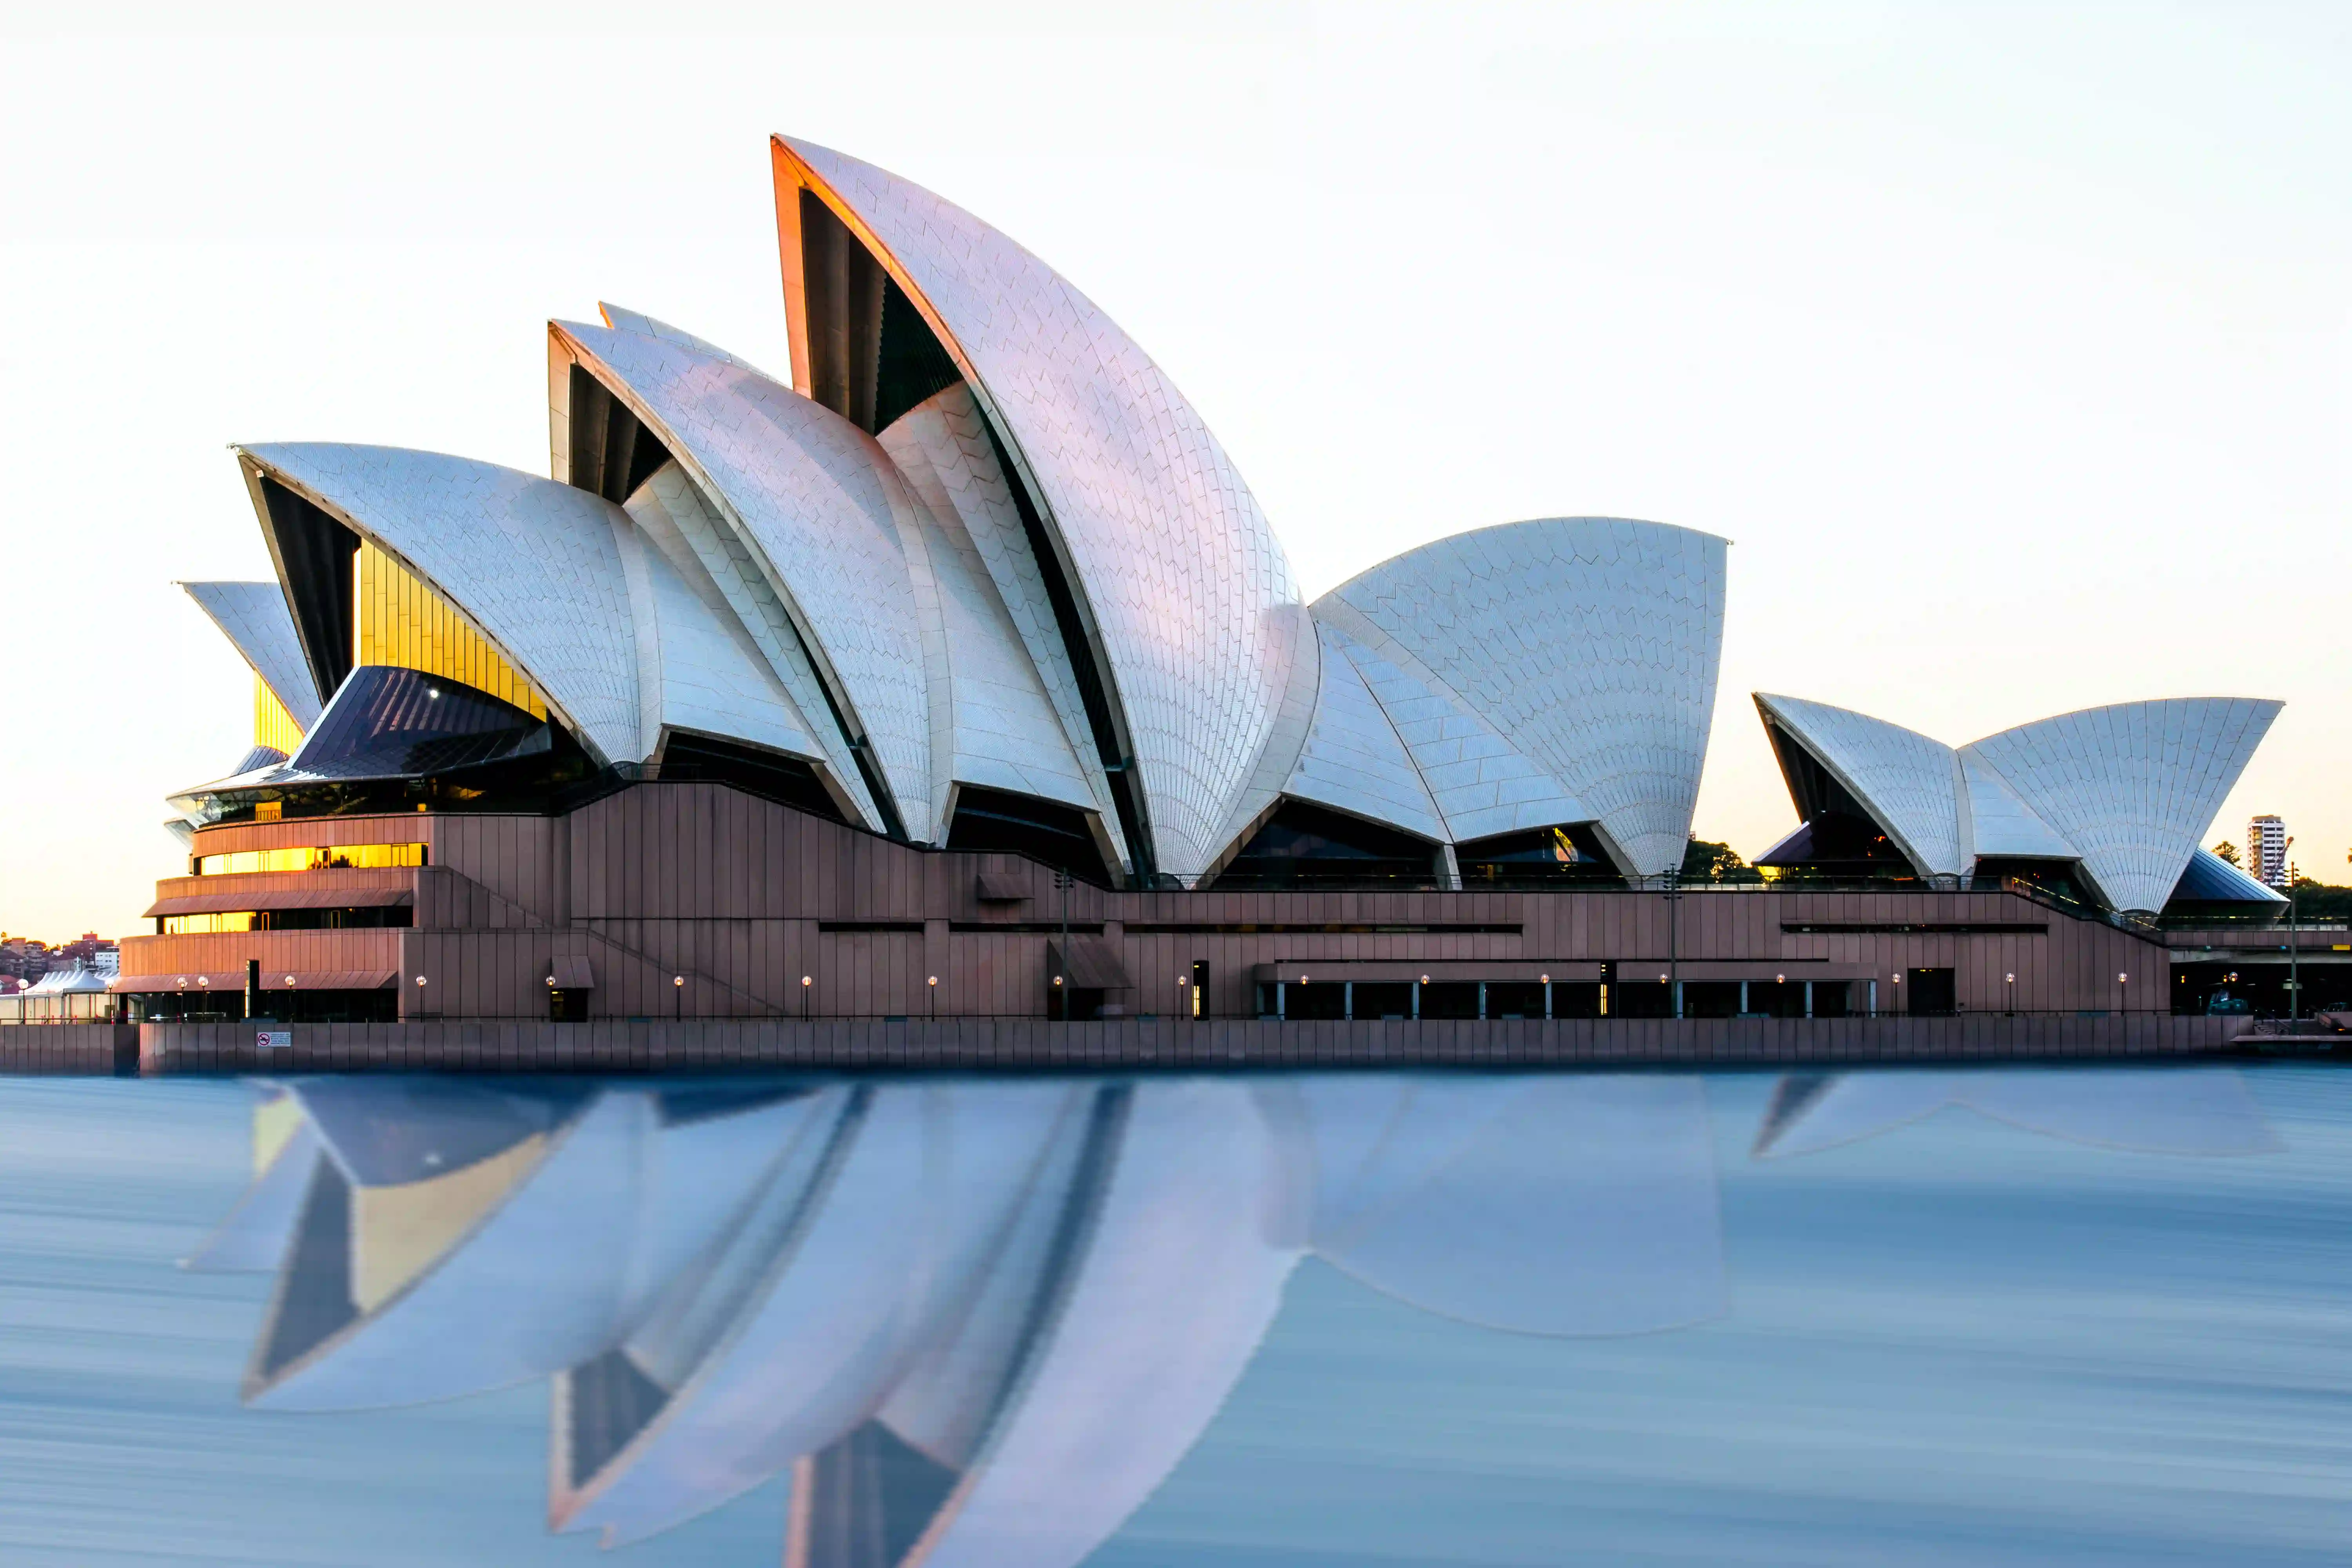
x=320, y=858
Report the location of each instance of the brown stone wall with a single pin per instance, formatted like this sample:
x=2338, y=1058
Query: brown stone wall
x=741, y=898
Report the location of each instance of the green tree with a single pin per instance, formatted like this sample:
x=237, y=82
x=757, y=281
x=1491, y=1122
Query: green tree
x=1706, y=861
x=2225, y=850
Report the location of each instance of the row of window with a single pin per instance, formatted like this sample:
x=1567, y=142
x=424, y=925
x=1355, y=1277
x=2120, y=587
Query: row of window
x=325, y=858
x=373, y=917
x=1461, y=999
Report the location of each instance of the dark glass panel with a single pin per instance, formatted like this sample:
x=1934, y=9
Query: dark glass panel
x=1303, y=845
x=1541, y=857
x=1514, y=999
x=1046, y=831
x=391, y=722
x=771, y=775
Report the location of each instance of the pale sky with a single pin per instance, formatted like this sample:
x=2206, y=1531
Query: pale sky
x=2010, y=344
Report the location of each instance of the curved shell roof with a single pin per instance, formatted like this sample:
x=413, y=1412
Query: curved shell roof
x=823, y=512
x=1909, y=781
x=697, y=668
x=1590, y=646
x=1020, y=561
x=530, y=563
x=1179, y=569
x=2132, y=787
x=993, y=721
x=2126, y=791
x=254, y=616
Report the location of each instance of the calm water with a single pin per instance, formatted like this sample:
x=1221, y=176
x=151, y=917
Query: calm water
x=1271, y=1322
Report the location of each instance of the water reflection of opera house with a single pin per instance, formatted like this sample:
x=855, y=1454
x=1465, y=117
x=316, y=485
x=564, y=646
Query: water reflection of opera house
x=981, y=1322
x=798, y=696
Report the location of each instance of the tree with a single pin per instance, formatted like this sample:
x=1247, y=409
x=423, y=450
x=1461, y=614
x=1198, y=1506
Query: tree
x=1706, y=861
x=2225, y=850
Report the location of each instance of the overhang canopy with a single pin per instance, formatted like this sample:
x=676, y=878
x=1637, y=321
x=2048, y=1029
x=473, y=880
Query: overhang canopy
x=229, y=901
x=231, y=982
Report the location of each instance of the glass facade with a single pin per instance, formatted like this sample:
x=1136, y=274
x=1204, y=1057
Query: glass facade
x=273, y=726
x=324, y=857
x=372, y=918
x=397, y=619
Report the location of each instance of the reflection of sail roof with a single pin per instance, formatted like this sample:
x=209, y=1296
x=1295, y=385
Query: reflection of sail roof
x=2132, y=787
x=824, y=511
x=1589, y=644
x=879, y=1263
x=1475, y=1221
x=983, y=1322
x=531, y=564
x=622, y=1198
x=2178, y=1111
x=1904, y=779
x=254, y=616
x=1179, y=571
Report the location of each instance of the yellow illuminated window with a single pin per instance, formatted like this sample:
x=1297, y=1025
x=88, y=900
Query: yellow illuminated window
x=272, y=725
x=207, y=925
x=329, y=857
x=398, y=620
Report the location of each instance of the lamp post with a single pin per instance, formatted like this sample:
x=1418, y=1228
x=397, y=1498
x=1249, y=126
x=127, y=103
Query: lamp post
x=2009, y=1006
x=2294, y=951
x=932, y=984
x=677, y=994
x=805, y=983
x=1674, y=939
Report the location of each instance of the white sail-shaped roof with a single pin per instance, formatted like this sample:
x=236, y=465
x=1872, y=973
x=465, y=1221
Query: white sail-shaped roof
x=697, y=668
x=254, y=616
x=1353, y=758
x=1482, y=783
x=1589, y=644
x=824, y=513
x=2000, y=824
x=531, y=564
x=1909, y=783
x=2133, y=786
x=2126, y=791
x=1177, y=567
x=992, y=721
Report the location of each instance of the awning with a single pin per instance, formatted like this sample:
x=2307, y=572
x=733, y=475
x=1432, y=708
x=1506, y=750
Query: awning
x=230, y=901
x=231, y=982
x=1089, y=963
x=570, y=974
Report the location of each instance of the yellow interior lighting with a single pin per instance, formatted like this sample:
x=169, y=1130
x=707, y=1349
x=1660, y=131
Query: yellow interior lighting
x=206, y=925
x=327, y=857
x=272, y=725
x=396, y=619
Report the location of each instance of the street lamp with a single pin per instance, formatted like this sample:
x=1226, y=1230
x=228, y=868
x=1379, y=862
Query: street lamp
x=934, y=986
x=678, y=992
x=806, y=984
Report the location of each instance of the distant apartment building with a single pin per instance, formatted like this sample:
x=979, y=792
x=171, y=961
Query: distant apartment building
x=2266, y=851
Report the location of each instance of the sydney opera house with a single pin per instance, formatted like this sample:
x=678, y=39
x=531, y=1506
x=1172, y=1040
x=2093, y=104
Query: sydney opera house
x=951, y=672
